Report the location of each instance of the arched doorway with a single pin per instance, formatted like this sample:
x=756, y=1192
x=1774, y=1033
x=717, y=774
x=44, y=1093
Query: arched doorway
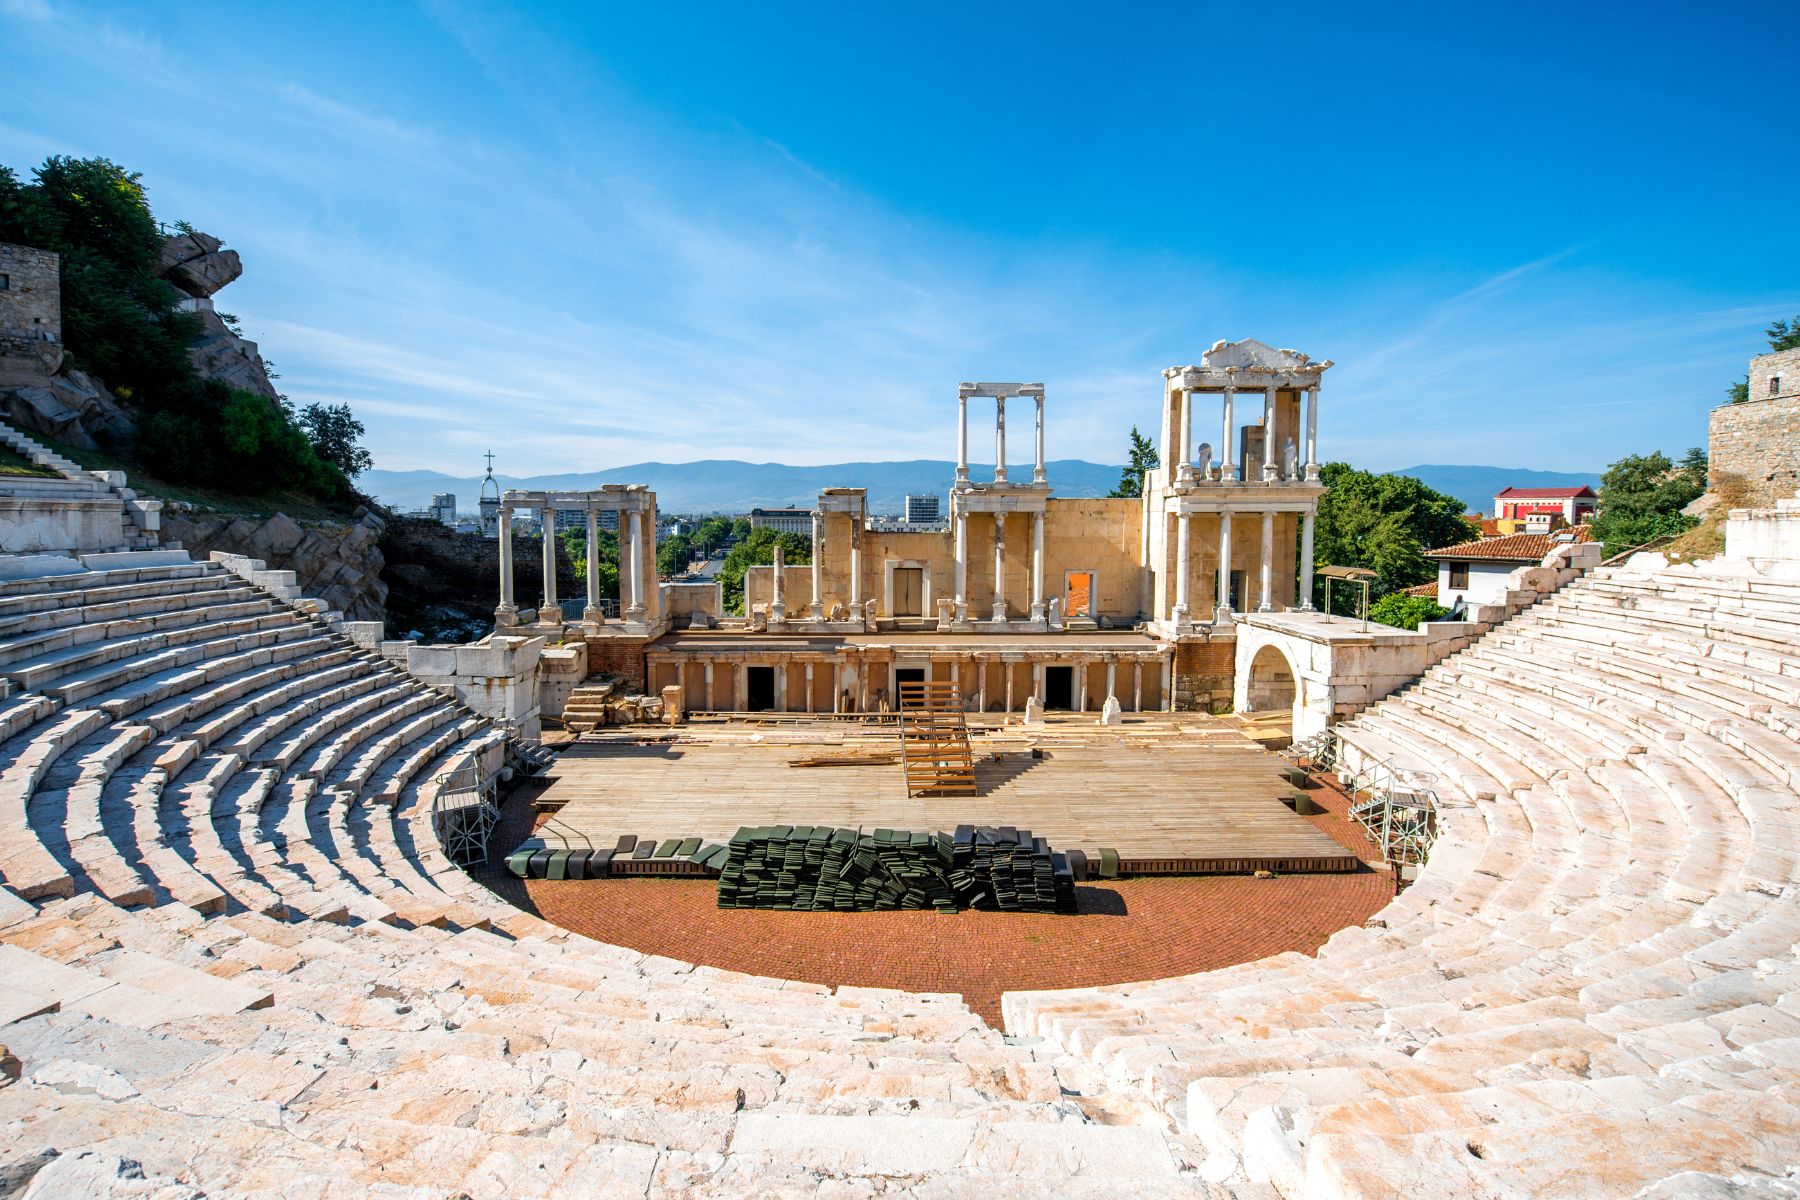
x=1271, y=687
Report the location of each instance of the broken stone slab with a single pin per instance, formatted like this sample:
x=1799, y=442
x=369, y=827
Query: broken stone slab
x=94, y=1176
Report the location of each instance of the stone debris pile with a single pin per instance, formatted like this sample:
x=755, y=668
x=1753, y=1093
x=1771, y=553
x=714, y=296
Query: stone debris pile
x=819, y=868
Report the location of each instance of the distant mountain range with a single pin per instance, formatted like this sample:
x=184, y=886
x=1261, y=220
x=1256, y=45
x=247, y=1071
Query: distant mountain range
x=729, y=486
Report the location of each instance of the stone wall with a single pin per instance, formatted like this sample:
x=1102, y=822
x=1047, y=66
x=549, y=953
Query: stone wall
x=622, y=657
x=1775, y=376
x=30, y=315
x=443, y=585
x=1203, y=674
x=338, y=562
x=1758, y=442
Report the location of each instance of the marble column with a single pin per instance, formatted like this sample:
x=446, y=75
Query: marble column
x=1312, y=432
x=1081, y=684
x=809, y=686
x=781, y=682
x=1006, y=673
x=1037, y=472
x=1037, y=681
x=1037, y=566
x=739, y=696
x=635, y=522
x=1112, y=671
x=818, y=547
x=507, y=613
x=1224, y=609
x=594, y=614
x=1168, y=684
x=856, y=532
x=551, y=612
x=1182, y=523
x=1229, y=445
x=1267, y=573
x=1306, y=561
x=1270, y=472
x=710, y=703
x=1137, y=685
x=962, y=564
x=962, y=441
x=837, y=687
x=956, y=679
x=1184, y=436
x=981, y=680
x=999, y=566
x=777, y=596
x=1000, y=439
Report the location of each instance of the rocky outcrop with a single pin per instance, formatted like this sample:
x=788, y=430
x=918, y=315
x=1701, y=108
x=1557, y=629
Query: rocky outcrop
x=340, y=562
x=199, y=265
x=72, y=408
x=444, y=585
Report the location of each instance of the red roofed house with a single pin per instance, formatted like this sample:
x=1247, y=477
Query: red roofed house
x=1572, y=504
x=1475, y=572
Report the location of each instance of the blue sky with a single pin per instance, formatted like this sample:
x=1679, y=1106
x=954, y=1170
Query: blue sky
x=586, y=236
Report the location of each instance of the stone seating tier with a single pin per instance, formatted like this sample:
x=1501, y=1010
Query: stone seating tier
x=230, y=925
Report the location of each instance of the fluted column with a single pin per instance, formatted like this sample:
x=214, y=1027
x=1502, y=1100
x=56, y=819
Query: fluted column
x=1226, y=470
x=594, y=613
x=1037, y=566
x=818, y=599
x=999, y=613
x=962, y=440
x=551, y=612
x=1182, y=522
x=1306, y=561
x=1267, y=602
x=507, y=613
x=635, y=520
x=962, y=563
x=1270, y=472
x=1037, y=472
x=1224, y=610
x=1000, y=439
x=1312, y=432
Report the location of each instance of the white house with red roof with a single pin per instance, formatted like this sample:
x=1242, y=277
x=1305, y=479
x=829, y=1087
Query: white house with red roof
x=1572, y=504
x=1475, y=572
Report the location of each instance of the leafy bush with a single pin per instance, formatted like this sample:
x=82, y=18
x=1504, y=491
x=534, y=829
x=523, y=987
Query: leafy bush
x=1405, y=612
x=757, y=548
x=1641, y=498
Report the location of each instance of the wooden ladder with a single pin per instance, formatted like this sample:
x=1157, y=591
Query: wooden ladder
x=934, y=740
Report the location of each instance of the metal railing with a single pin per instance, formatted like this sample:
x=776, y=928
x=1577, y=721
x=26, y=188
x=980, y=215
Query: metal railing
x=1398, y=806
x=464, y=812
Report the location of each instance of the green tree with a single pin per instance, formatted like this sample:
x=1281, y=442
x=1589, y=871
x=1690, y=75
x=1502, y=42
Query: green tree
x=1641, y=498
x=1384, y=523
x=757, y=549
x=120, y=321
x=1141, y=457
x=673, y=555
x=740, y=529
x=336, y=435
x=1405, y=612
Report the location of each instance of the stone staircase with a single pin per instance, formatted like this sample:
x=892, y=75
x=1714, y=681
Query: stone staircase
x=236, y=955
x=1593, y=987
x=142, y=517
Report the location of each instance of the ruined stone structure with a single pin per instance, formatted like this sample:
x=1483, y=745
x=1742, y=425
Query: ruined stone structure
x=31, y=347
x=1755, y=446
x=1025, y=595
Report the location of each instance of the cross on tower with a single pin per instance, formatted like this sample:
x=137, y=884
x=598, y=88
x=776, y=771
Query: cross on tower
x=490, y=461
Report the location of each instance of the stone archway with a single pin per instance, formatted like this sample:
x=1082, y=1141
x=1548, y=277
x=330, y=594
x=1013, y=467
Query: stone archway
x=1272, y=684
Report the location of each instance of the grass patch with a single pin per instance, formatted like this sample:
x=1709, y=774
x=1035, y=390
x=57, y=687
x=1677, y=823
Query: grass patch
x=14, y=463
x=140, y=479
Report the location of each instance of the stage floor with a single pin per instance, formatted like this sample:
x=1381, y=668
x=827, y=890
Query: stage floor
x=1173, y=793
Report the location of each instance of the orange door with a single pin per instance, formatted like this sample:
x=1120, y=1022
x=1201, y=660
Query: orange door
x=1080, y=599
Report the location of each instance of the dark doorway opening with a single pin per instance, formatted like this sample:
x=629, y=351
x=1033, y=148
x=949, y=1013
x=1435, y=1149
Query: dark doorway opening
x=759, y=682
x=1059, y=687
x=908, y=675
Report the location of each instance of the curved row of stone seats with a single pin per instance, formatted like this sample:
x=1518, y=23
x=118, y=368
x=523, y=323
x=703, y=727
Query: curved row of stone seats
x=256, y=972
x=1592, y=986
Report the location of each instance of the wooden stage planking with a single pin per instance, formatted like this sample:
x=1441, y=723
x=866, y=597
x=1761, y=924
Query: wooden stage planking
x=1178, y=794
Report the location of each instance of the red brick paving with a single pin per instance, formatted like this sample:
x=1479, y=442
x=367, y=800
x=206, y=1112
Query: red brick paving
x=1127, y=929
